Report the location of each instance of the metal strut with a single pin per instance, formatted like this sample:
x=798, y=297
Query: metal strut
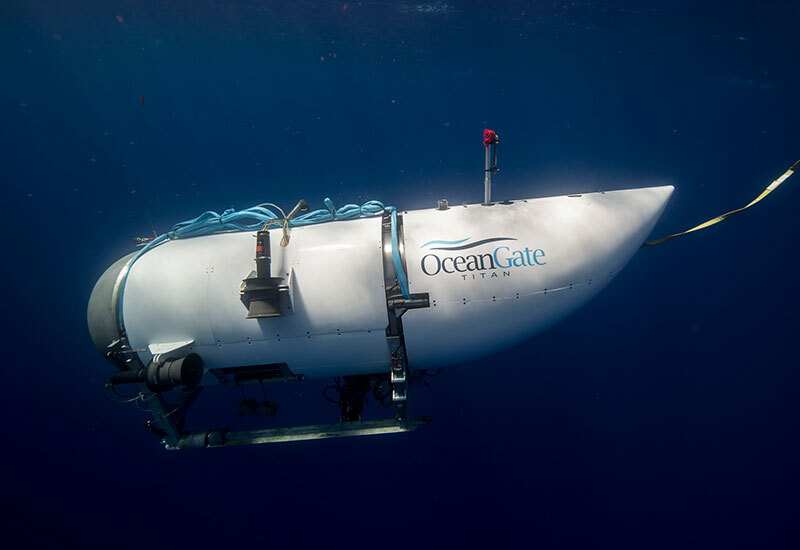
x=398, y=301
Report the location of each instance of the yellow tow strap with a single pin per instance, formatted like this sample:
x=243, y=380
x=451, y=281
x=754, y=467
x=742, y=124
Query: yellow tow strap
x=772, y=186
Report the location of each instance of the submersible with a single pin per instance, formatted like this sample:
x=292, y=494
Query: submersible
x=369, y=295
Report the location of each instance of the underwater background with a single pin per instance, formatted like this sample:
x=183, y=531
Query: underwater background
x=663, y=414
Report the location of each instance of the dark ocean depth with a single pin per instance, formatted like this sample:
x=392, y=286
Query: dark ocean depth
x=663, y=414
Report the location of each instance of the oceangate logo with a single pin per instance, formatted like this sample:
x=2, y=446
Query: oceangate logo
x=484, y=265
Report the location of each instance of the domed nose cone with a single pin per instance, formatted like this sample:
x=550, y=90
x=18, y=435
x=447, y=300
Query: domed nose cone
x=647, y=204
x=102, y=313
x=622, y=221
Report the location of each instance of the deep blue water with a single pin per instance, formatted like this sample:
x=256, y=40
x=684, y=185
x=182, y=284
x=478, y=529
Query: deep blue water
x=663, y=414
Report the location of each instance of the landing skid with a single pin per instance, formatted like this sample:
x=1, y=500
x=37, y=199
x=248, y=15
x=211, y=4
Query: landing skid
x=226, y=438
x=169, y=418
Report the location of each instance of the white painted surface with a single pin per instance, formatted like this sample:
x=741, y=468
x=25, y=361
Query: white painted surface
x=335, y=319
x=584, y=241
x=189, y=290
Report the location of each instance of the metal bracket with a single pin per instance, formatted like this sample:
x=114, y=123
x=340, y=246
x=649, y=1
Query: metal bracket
x=168, y=347
x=399, y=378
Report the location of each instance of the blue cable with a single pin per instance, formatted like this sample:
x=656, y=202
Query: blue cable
x=399, y=271
x=256, y=217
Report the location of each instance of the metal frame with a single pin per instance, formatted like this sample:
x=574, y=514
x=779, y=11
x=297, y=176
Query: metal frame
x=168, y=418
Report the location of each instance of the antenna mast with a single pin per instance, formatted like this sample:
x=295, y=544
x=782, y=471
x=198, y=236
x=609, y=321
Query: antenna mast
x=490, y=142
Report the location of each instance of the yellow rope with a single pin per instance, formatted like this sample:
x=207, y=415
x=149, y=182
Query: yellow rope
x=771, y=187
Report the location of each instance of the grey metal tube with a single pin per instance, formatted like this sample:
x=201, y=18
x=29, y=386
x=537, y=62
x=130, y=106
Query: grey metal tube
x=487, y=178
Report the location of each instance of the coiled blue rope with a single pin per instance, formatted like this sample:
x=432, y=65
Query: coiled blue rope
x=256, y=217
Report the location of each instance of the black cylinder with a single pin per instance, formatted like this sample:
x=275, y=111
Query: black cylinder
x=263, y=253
x=184, y=371
x=127, y=376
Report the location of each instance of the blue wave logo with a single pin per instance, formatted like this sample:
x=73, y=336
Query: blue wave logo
x=454, y=245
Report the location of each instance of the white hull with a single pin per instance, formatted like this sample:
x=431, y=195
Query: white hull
x=544, y=259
